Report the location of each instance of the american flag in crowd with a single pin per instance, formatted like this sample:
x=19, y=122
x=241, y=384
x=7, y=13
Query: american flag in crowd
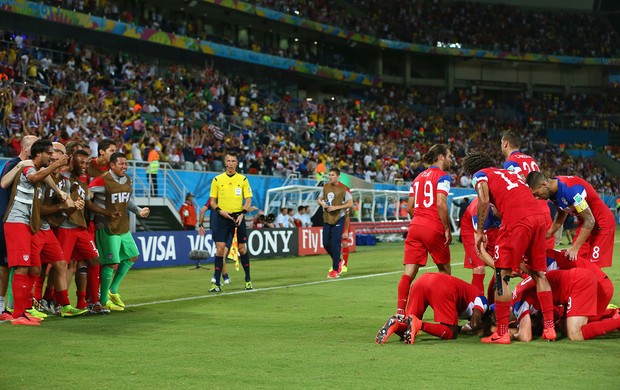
x=22, y=100
x=102, y=96
x=216, y=131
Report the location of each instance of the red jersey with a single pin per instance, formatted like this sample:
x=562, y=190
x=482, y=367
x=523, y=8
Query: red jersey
x=575, y=289
x=509, y=193
x=469, y=224
x=557, y=259
x=424, y=190
x=575, y=195
x=450, y=297
x=521, y=163
x=93, y=170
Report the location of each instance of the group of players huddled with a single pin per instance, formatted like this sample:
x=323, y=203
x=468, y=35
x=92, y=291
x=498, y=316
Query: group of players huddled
x=508, y=227
x=57, y=202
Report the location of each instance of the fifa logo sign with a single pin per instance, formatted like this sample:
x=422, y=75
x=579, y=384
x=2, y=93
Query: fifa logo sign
x=120, y=197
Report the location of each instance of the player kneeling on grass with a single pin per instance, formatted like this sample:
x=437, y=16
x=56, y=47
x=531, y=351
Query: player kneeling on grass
x=558, y=259
x=450, y=297
x=575, y=290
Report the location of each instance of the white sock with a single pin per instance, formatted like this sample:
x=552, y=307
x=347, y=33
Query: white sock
x=2, y=304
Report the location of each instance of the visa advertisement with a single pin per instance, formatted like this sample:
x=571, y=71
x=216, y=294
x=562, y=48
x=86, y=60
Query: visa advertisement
x=168, y=249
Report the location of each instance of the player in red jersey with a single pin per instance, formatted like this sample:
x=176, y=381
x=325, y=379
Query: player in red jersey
x=575, y=290
x=522, y=233
x=605, y=288
x=450, y=298
x=523, y=164
x=469, y=224
x=594, y=238
x=429, y=230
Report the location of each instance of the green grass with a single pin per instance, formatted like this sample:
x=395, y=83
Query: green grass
x=296, y=330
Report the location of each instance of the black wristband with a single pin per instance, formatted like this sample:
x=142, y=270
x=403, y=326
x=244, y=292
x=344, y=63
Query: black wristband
x=244, y=211
x=217, y=210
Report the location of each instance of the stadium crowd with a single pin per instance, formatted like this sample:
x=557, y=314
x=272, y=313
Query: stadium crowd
x=429, y=22
x=192, y=115
x=470, y=24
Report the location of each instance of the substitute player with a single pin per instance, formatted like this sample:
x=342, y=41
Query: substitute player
x=115, y=243
x=95, y=168
x=28, y=240
x=76, y=241
x=594, y=238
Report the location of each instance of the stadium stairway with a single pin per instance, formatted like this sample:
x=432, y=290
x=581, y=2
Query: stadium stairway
x=162, y=217
x=171, y=191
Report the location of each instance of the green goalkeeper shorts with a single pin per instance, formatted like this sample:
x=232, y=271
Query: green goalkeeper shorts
x=114, y=248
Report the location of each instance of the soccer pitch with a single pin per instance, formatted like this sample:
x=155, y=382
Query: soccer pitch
x=295, y=330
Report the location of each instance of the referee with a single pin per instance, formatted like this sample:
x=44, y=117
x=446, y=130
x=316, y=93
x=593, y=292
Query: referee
x=230, y=200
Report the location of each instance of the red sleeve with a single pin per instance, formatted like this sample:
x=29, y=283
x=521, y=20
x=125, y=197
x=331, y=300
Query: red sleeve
x=97, y=182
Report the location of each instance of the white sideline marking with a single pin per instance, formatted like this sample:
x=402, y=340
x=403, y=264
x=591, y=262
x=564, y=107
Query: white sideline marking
x=214, y=295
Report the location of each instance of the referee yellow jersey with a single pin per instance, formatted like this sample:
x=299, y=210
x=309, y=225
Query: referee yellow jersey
x=230, y=191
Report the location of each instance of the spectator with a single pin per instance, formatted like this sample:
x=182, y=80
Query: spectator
x=282, y=220
x=200, y=164
x=188, y=212
x=153, y=169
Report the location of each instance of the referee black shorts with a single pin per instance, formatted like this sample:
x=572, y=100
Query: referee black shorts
x=222, y=230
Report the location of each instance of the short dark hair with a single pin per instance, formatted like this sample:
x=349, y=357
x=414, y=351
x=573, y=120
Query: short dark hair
x=39, y=146
x=512, y=137
x=103, y=145
x=335, y=170
x=115, y=156
x=232, y=153
x=534, y=179
x=80, y=152
x=299, y=208
x=434, y=152
x=476, y=161
x=72, y=146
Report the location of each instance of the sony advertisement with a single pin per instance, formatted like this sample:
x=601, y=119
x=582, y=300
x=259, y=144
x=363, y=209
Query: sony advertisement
x=167, y=249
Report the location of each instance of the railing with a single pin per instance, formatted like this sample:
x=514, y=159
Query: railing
x=170, y=186
x=608, y=122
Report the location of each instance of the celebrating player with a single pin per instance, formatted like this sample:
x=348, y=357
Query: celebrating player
x=522, y=233
x=429, y=229
x=594, y=239
x=450, y=298
x=523, y=164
